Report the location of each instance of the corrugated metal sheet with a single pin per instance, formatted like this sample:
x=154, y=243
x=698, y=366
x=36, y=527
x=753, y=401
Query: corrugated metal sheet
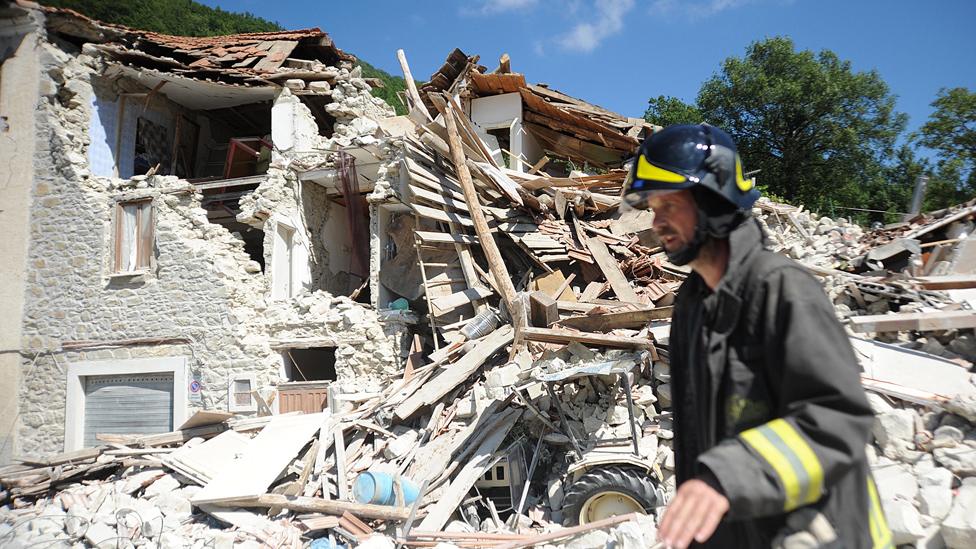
x=128, y=404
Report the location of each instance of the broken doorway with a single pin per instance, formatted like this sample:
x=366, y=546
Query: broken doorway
x=310, y=373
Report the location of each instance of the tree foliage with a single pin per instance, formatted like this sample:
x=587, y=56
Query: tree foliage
x=666, y=110
x=818, y=131
x=951, y=132
x=176, y=17
x=393, y=86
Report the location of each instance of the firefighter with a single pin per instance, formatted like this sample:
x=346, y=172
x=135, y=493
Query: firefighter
x=771, y=421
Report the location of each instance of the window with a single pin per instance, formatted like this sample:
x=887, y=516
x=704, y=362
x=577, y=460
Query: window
x=283, y=267
x=313, y=364
x=239, y=398
x=133, y=236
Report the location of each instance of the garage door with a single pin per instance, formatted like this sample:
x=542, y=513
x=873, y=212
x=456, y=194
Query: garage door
x=124, y=404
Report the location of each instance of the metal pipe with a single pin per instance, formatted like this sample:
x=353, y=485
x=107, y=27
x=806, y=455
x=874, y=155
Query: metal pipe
x=630, y=412
x=563, y=421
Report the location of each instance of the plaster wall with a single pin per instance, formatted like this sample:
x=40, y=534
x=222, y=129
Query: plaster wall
x=505, y=111
x=19, y=84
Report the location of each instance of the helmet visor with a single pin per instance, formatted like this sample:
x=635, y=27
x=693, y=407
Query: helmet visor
x=641, y=200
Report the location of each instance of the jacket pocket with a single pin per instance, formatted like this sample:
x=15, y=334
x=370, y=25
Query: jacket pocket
x=747, y=397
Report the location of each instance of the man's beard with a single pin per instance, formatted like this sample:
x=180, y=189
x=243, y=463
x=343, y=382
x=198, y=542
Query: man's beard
x=687, y=253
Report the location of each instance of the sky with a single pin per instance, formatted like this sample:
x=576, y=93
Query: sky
x=619, y=53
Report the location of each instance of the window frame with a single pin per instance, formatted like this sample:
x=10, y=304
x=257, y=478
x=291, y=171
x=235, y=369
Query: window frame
x=232, y=405
x=143, y=242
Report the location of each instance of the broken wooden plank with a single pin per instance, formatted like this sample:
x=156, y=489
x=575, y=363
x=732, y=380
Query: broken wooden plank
x=495, y=262
x=416, y=104
x=611, y=270
x=548, y=335
x=567, y=532
x=315, y=505
x=593, y=290
x=201, y=418
x=75, y=456
x=446, y=304
x=163, y=439
x=962, y=214
x=613, y=320
x=439, y=513
x=447, y=380
x=946, y=282
x=543, y=311
x=923, y=322
x=430, y=237
x=442, y=216
x=263, y=459
x=443, y=200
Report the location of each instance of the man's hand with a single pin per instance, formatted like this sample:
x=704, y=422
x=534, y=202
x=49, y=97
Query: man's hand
x=694, y=513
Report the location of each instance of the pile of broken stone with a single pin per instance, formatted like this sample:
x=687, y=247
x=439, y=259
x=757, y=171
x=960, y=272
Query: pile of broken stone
x=924, y=463
x=131, y=491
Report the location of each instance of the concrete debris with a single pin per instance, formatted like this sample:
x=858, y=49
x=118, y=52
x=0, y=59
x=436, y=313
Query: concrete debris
x=384, y=318
x=935, y=492
x=959, y=528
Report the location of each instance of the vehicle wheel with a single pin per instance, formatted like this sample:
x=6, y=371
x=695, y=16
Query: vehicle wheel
x=604, y=492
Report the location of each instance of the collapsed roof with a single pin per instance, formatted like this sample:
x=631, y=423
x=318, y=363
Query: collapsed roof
x=209, y=72
x=565, y=126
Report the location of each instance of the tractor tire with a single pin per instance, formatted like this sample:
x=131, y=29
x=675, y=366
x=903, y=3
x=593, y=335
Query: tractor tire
x=608, y=491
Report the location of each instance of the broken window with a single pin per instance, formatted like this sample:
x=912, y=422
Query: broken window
x=313, y=364
x=133, y=236
x=309, y=372
x=504, y=139
x=283, y=268
x=152, y=148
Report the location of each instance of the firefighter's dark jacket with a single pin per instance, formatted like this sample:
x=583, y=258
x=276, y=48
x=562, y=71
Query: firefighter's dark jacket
x=776, y=414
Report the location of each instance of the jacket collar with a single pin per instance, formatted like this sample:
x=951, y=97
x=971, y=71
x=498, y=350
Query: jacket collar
x=744, y=241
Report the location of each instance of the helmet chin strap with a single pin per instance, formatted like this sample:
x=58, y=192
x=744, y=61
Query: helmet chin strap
x=711, y=224
x=687, y=253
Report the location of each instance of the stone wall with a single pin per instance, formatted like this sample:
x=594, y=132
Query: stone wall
x=201, y=286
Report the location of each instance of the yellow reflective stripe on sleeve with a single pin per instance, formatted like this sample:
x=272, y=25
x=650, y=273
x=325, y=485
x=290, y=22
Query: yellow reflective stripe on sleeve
x=880, y=534
x=791, y=458
x=646, y=170
x=808, y=459
x=777, y=461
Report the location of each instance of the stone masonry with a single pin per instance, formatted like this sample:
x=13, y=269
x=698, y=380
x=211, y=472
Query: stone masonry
x=202, y=287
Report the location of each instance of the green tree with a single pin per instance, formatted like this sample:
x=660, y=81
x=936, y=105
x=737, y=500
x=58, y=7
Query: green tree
x=667, y=110
x=951, y=132
x=820, y=133
x=393, y=86
x=176, y=17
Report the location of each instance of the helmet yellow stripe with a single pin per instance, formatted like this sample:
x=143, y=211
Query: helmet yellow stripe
x=648, y=171
x=745, y=185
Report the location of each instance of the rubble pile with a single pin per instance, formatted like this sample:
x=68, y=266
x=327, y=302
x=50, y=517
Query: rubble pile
x=538, y=374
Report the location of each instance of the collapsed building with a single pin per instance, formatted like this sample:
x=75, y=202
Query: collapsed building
x=227, y=214
x=225, y=232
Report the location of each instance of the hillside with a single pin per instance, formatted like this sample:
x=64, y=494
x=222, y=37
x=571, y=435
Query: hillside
x=189, y=18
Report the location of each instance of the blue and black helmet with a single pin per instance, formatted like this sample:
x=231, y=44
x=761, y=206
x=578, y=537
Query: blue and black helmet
x=683, y=156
